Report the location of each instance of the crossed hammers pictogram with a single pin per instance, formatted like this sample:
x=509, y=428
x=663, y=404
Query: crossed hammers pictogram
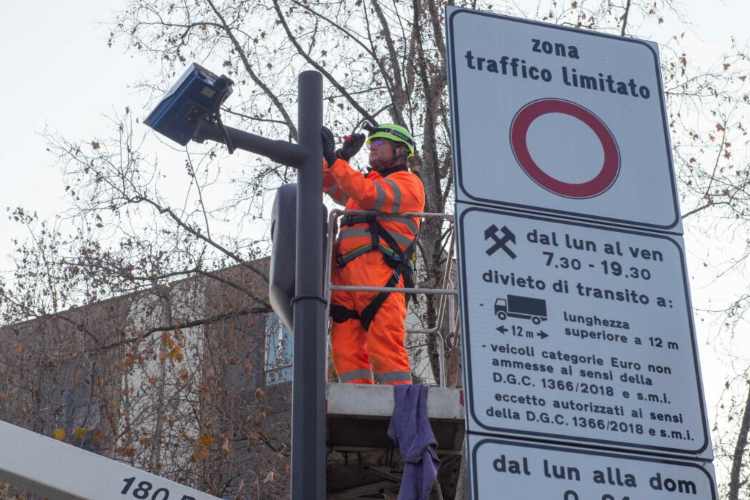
x=500, y=242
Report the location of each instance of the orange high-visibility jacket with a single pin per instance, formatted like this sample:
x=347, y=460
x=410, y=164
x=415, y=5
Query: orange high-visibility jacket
x=397, y=193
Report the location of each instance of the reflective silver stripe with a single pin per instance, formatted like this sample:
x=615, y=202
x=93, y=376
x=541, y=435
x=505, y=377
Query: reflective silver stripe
x=380, y=198
x=353, y=232
x=396, y=196
x=402, y=240
x=408, y=221
x=354, y=375
x=384, y=378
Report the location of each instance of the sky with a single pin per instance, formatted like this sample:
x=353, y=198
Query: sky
x=61, y=77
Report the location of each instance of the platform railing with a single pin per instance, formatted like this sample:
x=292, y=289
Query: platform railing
x=446, y=291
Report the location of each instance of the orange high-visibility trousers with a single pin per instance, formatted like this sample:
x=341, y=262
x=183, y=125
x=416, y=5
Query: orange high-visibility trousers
x=358, y=355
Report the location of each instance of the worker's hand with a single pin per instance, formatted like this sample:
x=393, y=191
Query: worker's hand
x=329, y=145
x=352, y=145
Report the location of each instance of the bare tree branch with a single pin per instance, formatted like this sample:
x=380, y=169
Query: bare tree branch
x=624, y=26
x=317, y=66
x=256, y=79
x=181, y=325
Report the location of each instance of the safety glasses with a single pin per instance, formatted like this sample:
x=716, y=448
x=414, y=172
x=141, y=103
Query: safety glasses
x=395, y=132
x=377, y=143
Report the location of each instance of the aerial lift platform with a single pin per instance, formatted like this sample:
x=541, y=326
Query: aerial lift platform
x=362, y=460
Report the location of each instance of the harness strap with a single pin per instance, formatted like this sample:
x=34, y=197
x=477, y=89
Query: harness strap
x=393, y=256
x=351, y=219
x=374, y=240
x=390, y=250
x=340, y=314
x=396, y=255
x=368, y=313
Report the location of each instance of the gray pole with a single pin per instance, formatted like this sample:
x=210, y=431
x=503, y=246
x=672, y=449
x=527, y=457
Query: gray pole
x=308, y=407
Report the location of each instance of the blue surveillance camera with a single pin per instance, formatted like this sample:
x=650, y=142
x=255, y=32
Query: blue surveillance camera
x=197, y=95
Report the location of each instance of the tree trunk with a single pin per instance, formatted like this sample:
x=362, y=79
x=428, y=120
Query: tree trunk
x=739, y=452
x=156, y=445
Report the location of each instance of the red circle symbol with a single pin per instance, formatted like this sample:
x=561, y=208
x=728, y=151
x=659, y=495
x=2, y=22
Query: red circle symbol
x=594, y=187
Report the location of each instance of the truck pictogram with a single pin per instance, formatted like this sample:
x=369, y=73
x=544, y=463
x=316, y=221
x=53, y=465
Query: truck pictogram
x=518, y=306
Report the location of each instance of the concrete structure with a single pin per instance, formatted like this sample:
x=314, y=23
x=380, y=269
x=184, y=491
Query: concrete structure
x=362, y=461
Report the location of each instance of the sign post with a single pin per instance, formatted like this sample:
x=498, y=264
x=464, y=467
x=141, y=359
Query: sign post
x=580, y=362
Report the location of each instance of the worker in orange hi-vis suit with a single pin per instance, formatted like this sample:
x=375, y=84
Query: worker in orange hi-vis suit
x=368, y=330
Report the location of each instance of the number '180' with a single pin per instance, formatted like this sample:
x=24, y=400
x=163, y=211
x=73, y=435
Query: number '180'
x=142, y=490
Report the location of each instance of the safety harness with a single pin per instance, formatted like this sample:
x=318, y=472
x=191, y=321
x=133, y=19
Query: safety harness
x=397, y=259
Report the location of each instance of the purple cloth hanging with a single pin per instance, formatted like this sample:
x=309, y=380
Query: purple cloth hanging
x=411, y=431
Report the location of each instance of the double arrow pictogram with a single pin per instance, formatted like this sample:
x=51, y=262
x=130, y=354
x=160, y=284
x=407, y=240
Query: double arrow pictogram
x=541, y=333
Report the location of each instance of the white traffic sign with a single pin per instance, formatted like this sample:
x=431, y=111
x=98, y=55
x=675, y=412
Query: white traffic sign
x=560, y=120
x=580, y=333
x=48, y=467
x=523, y=472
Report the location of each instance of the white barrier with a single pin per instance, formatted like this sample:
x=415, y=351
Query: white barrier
x=49, y=467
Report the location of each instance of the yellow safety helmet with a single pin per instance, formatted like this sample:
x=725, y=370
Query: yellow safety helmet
x=395, y=133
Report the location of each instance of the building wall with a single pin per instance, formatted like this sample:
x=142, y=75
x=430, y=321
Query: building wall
x=55, y=373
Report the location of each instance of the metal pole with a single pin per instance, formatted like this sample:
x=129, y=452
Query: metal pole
x=279, y=151
x=308, y=406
